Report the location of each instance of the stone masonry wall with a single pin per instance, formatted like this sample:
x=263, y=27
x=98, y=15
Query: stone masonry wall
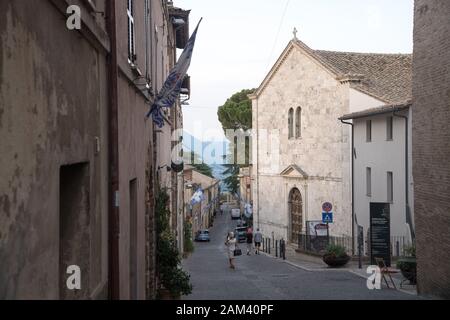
x=322, y=151
x=431, y=145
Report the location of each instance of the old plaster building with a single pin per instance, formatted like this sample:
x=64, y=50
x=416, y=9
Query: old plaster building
x=54, y=202
x=200, y=214
x=301, y=153
x=80, y=162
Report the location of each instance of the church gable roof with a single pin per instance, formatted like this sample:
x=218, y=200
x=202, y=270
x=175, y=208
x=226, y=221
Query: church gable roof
x=294, y=171
x=387, y=77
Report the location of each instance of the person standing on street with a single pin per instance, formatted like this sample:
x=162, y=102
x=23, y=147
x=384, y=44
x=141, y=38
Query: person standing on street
x=231, y=244
x=249, y=240
x=258, y=239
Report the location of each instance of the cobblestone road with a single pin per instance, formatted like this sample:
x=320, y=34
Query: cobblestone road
x=261, y=277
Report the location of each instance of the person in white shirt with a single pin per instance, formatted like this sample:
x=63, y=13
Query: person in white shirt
x=231, y=244
x=258, y=239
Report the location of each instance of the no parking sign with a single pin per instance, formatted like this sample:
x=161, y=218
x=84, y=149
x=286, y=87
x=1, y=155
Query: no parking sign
x=327, y=207
x=327, y=215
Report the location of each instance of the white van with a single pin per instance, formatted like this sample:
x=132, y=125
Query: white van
x=235, y=214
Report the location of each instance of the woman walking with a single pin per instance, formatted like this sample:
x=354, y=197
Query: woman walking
x=231, y=244
x=249, y=240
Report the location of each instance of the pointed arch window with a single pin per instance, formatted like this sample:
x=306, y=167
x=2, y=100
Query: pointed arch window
x=291, y=123
x=298, y=123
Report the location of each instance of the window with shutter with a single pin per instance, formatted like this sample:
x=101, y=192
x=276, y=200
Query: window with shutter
x=291, y=123
x=298, y=123
x=131, y=32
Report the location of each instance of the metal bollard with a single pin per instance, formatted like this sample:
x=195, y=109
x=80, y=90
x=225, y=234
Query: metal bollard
x=269, y=245
x=276, y=248
x=284, y=249
x=281, y=248
x=398, y=249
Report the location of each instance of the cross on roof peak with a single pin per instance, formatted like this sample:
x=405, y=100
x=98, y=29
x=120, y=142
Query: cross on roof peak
x=295, y=33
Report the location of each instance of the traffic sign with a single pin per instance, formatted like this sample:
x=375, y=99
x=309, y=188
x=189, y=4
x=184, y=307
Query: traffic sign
x=327, y=217
x=327, y=207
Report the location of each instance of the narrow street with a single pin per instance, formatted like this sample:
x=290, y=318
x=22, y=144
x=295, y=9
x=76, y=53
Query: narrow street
x=266, y=278
x=130, y=127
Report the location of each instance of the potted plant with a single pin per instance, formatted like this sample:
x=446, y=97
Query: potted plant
x=188, y=244
x=336, y=256
x=408, y=265
x=173, y=281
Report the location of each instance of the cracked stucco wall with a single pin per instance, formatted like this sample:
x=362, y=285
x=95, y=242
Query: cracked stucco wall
x=52, y=106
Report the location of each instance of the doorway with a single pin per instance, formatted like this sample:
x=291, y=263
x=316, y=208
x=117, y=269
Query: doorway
x=295, y=214
x=74, y=228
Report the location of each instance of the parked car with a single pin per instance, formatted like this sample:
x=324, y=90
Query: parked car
x=235, y=214
x=241, y=234
x=202, y=236
x=241, y=223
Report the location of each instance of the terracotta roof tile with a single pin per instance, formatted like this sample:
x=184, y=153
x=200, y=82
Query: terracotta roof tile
x=387, y=77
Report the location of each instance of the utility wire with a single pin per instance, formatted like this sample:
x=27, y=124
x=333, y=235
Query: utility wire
x=278, y=33
x=199, y=107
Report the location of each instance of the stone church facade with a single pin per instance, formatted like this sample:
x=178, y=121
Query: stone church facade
x=301, y=152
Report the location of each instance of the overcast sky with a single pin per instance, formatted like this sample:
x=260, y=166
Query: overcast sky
x=239, y=41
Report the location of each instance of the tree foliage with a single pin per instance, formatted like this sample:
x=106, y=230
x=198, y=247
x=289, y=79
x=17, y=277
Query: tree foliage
x=232, y=179
x=199, y=165
x=236, y=113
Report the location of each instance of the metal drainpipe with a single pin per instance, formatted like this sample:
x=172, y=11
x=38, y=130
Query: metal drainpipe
x=408, y=209
x=257, y=161
x=113, y=225
x=353, y=185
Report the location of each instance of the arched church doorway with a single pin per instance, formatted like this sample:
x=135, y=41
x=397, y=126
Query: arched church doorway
x=295, y=214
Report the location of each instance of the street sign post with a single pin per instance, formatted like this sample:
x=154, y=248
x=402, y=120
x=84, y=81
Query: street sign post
x=327, y=217
x=327, y=207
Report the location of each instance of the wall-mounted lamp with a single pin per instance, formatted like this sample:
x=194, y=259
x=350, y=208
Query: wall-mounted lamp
x=165, y=166
x=178, y=22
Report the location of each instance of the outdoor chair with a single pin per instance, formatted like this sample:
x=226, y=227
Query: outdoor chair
x=386, y=271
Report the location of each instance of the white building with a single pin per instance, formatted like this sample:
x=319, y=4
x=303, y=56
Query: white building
x=383, y=171
x=301, y=153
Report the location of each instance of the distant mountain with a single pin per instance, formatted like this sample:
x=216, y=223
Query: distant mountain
x=211, y=152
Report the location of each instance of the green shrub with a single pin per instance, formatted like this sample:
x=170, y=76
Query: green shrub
x=188, y=243
x=336, y=250
x=170, y=273
x=410, y=251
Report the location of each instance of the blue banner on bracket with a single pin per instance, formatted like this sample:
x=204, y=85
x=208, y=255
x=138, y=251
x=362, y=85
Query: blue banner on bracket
x=172, y=87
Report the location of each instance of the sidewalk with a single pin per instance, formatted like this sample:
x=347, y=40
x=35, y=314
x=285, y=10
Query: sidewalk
x=315, y=264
